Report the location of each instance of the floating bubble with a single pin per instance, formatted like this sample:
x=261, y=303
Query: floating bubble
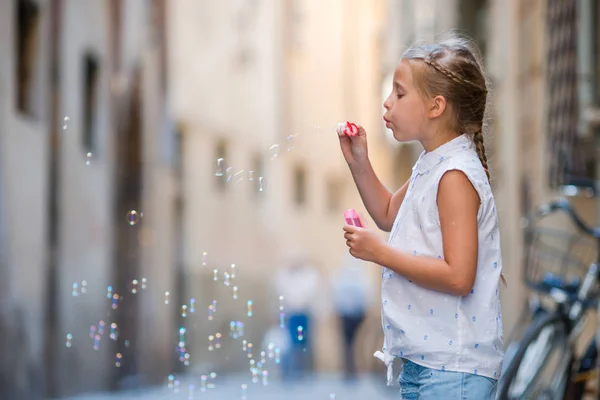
x=101, y=325
x=176, y=386
x=263, y=357
x=211, y=310
x=203, y=379
x=277, y=355
x=182, y=331
x=228, y=174
x=144, y=282
x=83, y=287
x=92, y=332
x=214, y=304
x=186, y=359
x=260, y=184
x=171, y=381
x=220, y=167
x=274, y=151
x=236, y=330
x=75, y=289
x=249, y=348
x=184, y=311
x=97, y=342
x=238, y=176
x=109, y=292
x=118, y=360
x=113, y=331
x=65, y=123
x=291, y=142
x=271, y=347
x=244, y=390
x=133, y=217
x=215, y=275
x=69, y=341
x=300, y=333
x=226, y=278
x=265, y=378
x=167, y=294
x=232, y=271
x=281, y=313
x=244, y=345
x=115, y=301
x=235, y=292
x=211, y=382
x=250, y=175
x=331, y=396
x=126, y=343
x=218, y=340
x=88, y=158
x=191, y=392
x=204, y=257
x=254, y=371
x=211, y=338
x=192, y=305
x=134, y=285
x=249, y=308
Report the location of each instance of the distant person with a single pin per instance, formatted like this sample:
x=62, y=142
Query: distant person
x=442, y=263
x=351, y=298
x=298, y=283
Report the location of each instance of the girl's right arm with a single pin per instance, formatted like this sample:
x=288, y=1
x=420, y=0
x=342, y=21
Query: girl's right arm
x=381, y=204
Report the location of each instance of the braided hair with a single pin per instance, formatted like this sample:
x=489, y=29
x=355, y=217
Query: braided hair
x=452, y=68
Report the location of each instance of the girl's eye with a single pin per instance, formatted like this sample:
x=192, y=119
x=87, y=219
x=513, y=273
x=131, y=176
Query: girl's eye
x=399, y=96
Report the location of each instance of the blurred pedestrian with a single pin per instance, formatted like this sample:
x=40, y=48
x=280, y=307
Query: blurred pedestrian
x=351, y=296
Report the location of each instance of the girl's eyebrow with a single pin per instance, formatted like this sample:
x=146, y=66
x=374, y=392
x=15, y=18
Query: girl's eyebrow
x=398, y=85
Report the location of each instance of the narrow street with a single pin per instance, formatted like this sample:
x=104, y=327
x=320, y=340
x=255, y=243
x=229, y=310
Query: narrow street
x=322, y=387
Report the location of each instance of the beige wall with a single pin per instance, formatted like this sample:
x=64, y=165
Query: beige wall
x=86, y=194
x=23, y=160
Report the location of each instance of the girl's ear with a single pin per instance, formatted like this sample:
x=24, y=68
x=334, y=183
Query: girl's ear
x=437, y=106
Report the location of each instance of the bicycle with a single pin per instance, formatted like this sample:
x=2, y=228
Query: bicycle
x=543, y=361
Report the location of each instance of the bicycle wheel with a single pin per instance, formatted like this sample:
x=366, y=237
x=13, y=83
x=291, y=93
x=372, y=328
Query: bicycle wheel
x=541, y=367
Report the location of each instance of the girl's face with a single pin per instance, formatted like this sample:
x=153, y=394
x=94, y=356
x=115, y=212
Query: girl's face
x=405, y=109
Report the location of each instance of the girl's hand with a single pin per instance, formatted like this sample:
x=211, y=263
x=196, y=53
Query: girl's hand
x=354, y=146
x=363, y=243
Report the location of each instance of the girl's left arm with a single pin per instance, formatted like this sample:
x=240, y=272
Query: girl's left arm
x=458, y=204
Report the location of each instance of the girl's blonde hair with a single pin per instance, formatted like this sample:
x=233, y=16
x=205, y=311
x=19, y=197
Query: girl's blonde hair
x=452, y=68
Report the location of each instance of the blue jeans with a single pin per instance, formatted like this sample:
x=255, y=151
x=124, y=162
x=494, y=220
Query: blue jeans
x=418, y=382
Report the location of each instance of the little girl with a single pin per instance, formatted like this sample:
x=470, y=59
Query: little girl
x=442, y=263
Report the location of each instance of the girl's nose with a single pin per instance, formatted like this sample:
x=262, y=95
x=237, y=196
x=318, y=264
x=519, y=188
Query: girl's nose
x=386, y=104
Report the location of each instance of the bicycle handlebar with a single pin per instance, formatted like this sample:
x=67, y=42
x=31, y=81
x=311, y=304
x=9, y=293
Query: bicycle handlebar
x=564, y=206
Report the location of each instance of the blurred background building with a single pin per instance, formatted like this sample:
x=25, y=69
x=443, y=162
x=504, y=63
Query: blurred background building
x=115, y=210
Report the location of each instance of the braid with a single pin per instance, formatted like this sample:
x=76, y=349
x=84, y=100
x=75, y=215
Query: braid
x=455, y=77
x=478, y=140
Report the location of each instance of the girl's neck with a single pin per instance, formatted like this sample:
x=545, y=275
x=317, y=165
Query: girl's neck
x=438, y=139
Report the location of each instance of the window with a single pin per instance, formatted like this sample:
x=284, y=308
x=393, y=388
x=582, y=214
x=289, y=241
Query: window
x=222, y=171
x=90, y=100
x=27, y=43
x=334, y=195
x=299, y=186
